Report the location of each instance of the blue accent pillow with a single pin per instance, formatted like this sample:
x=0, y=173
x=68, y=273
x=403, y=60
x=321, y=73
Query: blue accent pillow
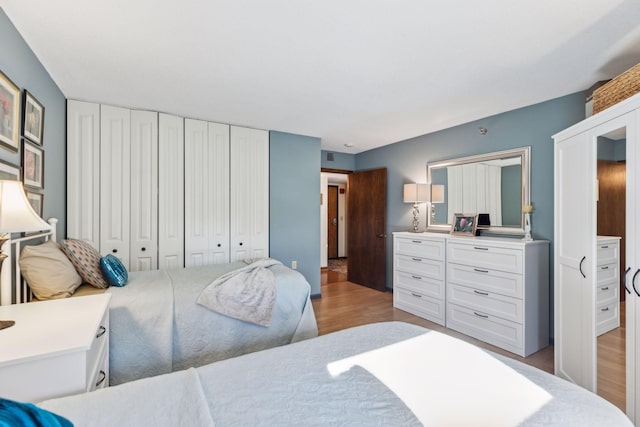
x=28, y=415
x=113, y=270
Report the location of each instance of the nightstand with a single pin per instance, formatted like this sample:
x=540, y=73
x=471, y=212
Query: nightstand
x=56, y=348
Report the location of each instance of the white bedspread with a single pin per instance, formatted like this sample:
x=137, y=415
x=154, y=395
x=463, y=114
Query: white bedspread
x=157, y=327
x=386, y=374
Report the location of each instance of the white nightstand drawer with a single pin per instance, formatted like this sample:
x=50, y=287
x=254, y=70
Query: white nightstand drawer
x=100, y=379
x=493, y=281
x=608, y=252
x=421, y=247
x=607, y=293
x=99, y=346
x=419, y=304
x=485, y=256
x=420, y=266
x=607, y=272
x=494, y=330
x=422, y=284
x=507, y=308
x=607, y=317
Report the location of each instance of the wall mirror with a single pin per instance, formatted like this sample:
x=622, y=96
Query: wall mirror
x=494, y=185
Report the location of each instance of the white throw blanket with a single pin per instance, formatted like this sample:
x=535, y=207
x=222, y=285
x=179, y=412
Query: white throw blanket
x=248, y=293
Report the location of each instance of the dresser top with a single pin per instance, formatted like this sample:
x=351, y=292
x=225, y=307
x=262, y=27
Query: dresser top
x=472, y=240
x=45, y=328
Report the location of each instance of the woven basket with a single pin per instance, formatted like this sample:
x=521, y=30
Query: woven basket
x=622, y=87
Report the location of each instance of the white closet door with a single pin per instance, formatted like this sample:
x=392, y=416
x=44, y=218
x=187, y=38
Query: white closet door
x=575, y=260
x=219, y=193
x=83, y=172
x=170, y=192
x=469, y=188
x=196, y=193
x=249, y=193
x=454, y=194
x=115, y=168
x=144, y=191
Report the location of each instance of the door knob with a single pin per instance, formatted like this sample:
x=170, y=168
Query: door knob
x=381, y=235
x=335, y=221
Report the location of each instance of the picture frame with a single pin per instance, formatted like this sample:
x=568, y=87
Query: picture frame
x=36, y=200
x=32, y=165
x=464, y=224
x=32, y=118
x=9, y=114
x=9, y=171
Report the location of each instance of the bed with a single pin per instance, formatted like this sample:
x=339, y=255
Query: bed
x=157, y=327
x=390, y=373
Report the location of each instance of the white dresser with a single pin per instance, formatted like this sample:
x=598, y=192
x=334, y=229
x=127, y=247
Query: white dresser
x=493, y=289
x=56, y=348
x=608, y=284
x=419, y=275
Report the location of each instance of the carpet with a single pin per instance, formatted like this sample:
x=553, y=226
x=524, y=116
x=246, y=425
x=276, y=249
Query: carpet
x=338, y=265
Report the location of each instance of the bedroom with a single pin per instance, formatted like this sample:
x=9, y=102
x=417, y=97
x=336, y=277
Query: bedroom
x=294, y=218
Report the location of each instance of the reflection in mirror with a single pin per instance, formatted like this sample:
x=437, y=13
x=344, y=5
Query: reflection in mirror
x=493, y=185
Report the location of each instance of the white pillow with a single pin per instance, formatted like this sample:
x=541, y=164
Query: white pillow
x=48, y=271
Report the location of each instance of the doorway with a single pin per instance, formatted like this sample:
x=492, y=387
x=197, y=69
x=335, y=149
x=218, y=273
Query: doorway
x=334, y=225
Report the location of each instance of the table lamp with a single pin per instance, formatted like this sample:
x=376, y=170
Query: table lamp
x=16, y=215
x=415, y=193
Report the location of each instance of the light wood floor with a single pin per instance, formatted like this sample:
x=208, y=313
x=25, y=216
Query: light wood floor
x=344, y=304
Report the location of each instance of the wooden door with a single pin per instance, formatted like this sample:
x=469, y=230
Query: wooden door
x=332, y=222
x=367, y=208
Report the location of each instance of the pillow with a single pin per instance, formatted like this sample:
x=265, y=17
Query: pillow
x=113, y=271
x=28, y=415
x=86, y=260
x=48, y=271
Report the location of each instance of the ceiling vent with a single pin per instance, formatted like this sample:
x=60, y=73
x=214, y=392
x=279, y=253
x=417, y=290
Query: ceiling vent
x=330, y=157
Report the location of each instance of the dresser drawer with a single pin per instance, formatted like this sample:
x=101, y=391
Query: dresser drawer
x=493, y=281
x=607, y=273
x=420, y=247
x=607, y=317
x=420, y=266
x=507, y=308
x=100, y=378
x=607, y=293
x=422, y=284
x=494, y=330
x=607, y=253
x=485, y=256
x=99, y=346
x=419, y=304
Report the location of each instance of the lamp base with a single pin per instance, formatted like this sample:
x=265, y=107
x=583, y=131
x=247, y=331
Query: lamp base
x=6, y=324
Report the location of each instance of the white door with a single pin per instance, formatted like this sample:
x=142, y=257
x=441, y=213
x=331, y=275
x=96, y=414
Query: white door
x=575, y=248
x=249, y=193
x=170, y=192
x=219, y=193
x=83, y=172
x=144, y=191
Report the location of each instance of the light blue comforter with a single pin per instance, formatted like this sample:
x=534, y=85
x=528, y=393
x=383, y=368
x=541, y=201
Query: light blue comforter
x=157, y=327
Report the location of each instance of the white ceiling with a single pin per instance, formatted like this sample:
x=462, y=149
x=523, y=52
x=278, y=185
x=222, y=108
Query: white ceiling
x=357, y=72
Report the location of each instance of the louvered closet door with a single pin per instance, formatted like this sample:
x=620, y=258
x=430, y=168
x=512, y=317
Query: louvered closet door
x=170, y=192
x=144, y=191
x=83, y=167
x=249, y=193
x=219, y=193
x=115, y=167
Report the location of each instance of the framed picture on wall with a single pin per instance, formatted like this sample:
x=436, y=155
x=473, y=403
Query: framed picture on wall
x=36, y=200
x=464, y=224
x=32, y=165
x=9, y=113
x=9, y=171
x=33, y=118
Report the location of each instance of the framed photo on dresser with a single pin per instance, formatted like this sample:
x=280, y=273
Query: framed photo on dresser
x=464, y=224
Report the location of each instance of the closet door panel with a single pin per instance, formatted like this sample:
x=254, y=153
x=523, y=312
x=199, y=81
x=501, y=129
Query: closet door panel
x=195, y=193
x=249, y=193
x=115, y=168
x=83, y=177
x=219, y=193
x=170, y=192
x=144, y=191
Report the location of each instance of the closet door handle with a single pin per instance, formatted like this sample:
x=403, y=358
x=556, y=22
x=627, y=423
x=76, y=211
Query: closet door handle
x=581, y=261
x=624, y=279
x=633, y=282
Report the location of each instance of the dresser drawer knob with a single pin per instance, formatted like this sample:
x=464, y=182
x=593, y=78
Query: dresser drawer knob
x=484, y=316
x=416, y=295
x=481, y=293
x=606, y=288
x=101, y=331
x=417, y=259
x=604, y=309
x=416, y=277
x=416, y=241
x=480, y=248
x=103, y=376
x=480, y=271
x=605, y=247
x=606, y=267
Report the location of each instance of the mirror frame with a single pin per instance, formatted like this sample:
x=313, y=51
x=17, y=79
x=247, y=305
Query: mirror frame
x=525, y=157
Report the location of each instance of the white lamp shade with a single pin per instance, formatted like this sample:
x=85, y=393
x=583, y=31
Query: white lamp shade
x=415, y=193
x=437, y=193
x=16, y=213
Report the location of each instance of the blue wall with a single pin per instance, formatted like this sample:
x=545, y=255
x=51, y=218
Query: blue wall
x=341, y=161
x=294, y=206
x=406, y=161
x=19, y=63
